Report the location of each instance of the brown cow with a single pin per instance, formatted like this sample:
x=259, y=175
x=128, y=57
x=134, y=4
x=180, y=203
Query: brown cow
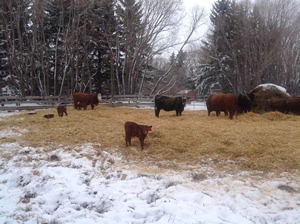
x=61, y=110
x=88, y=99
x=290, y=105
x=135, y=130
x=222, y=102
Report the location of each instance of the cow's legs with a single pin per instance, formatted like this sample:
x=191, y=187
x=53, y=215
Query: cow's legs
x=157, y=112
x=142, y=143
x=231, y=113
x=128, y=141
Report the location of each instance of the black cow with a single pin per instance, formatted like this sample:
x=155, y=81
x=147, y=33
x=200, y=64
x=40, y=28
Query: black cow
x=244, y=103
x=169, y=103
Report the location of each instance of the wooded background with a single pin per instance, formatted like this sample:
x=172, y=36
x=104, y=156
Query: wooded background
x=57, y=47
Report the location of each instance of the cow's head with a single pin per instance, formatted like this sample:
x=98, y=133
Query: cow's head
x=99, y=96
x=146, y=129
x=244, y=103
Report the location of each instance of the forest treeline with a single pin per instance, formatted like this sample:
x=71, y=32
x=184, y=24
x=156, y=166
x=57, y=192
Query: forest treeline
x=250, y=44
x=57, y=47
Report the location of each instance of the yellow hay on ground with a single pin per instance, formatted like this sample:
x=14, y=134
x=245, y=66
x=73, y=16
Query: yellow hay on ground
x=269, y=142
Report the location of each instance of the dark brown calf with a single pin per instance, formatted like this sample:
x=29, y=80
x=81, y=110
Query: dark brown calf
x=81, y=105
x=61, y=110
x=48, y=116
x=135, y=130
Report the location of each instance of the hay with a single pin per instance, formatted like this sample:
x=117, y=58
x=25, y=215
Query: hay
x=269, y=142
x=265, y=96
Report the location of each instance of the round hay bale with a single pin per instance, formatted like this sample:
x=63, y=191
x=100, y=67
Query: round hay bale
x=265, y=95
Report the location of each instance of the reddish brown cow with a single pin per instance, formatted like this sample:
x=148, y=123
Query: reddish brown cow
x=291, y=105
x=135, y=130
x=222, y=102
x=85, y=98
x=61, y=110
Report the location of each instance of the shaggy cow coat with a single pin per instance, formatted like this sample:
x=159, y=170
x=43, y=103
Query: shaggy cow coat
x=169, y=104
x=135, y=130
x=222, y=102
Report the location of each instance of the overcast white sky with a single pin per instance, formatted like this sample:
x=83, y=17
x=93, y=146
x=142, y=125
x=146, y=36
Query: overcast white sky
x=207, y=4
x=200, y=34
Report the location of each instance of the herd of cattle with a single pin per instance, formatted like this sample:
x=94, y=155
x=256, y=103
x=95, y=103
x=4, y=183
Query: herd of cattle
x=229, y=103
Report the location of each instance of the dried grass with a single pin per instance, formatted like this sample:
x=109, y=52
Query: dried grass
x=269, y=142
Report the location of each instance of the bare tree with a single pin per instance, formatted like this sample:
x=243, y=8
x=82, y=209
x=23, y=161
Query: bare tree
x=197, y=18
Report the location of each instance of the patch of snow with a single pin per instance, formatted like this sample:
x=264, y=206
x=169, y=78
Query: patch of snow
x=88, y=185
x=270, y=85
x=194, y=105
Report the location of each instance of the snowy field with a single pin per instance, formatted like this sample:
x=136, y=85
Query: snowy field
x=88, y=184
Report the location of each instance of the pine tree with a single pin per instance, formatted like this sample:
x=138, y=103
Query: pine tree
x=131, y=30
x=216, y=62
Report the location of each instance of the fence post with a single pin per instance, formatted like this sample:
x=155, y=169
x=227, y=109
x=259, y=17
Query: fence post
x=136, y=100
x=51, y=100
x=18, y=101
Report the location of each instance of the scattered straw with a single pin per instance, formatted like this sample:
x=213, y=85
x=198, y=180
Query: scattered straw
x=269, y=142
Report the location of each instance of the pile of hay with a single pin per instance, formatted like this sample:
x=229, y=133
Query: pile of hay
x=249, y=142
x=266, y=94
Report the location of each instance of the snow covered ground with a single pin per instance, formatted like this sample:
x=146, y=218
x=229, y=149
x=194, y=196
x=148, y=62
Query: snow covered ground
x=89, y=184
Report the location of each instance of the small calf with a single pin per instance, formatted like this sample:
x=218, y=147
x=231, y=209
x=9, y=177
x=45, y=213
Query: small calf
x=61, y=110
x=48, y=116
x=81, y=105
x=135, y=130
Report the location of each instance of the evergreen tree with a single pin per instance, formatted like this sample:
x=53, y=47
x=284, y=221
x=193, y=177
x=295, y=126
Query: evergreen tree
x=215, y=68
x=103, y=56
x=131, y=42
